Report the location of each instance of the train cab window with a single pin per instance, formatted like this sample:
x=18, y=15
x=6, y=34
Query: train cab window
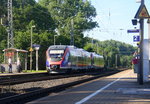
x=56, y=55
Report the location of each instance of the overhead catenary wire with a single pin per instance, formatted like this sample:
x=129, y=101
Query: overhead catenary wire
x=104, y=29
x=107, y=27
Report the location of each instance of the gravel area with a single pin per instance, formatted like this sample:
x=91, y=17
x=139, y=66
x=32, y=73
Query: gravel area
x=31, y=86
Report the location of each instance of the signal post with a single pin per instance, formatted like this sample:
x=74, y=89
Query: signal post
x=141, y=14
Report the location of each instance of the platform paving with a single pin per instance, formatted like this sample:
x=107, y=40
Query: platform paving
x=120, y=88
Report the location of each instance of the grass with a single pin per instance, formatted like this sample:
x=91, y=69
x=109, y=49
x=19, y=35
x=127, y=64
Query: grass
x=33, y=71
x=30, y=71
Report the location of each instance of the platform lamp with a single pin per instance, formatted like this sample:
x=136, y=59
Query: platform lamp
x=138, y=1
x=31, y=48
x=134, y=22
x=36, y=47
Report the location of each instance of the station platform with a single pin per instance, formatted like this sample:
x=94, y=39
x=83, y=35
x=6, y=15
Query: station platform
x=120, y=88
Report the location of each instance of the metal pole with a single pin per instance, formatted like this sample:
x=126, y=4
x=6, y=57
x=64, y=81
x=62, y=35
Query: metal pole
x=97, y=48
x=140, y=69
x=10, y=43
x=72, y=33
x=1, y=21
x=4, y=57
x=36, y=60
x=54, y=39
x=149, y=39
x=31, y=49
x=31, y=36
x=116, y=60
x=26, y=62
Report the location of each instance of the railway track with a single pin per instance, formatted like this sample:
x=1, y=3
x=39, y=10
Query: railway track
x=29, y=96
x=18, y=79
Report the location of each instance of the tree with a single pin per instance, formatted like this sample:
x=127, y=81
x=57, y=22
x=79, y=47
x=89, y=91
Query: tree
x=89, y=47
x=112, y=51
x=63, y=11
x=27, y=14
x=51, y=15
x=32, y=11
x=3, y=8
x=3, y=42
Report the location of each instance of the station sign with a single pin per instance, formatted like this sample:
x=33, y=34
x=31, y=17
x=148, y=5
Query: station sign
x=133, y=31
x=36, y=45
x=31, y=49
x=136, y=38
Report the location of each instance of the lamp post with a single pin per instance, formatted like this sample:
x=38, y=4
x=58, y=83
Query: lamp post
x=140, y=74
x=54, y=38
x=31, y=48
x=36, y=47
x=72, y=33
x=57, y=31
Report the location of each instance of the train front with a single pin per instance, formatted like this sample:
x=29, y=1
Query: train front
x=54, y=59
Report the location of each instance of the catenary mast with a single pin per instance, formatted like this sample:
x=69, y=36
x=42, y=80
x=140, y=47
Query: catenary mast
x=10, y=41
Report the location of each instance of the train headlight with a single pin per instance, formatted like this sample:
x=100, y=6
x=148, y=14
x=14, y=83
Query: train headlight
x=69, y=63
x=47, y=64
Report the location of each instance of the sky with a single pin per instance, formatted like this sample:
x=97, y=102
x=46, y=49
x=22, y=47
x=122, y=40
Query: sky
x=114, y=19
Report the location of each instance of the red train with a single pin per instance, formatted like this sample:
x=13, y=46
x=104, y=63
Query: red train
x=64, y=58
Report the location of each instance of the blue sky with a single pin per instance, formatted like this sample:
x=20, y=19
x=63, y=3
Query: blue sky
x=114, y=18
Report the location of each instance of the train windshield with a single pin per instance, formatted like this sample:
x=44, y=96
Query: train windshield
x=56, y=55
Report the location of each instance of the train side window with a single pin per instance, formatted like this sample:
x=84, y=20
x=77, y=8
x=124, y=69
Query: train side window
x=67, y=56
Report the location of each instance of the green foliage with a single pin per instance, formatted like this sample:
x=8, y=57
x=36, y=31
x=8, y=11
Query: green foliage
x=23, y=3
x=89, y=47
x=115, y=53
x=38, y=14
x=64, y=11
x=3, y=8
x=3, y=37
x=126, y=60
x=3, y=42
x=49, y=15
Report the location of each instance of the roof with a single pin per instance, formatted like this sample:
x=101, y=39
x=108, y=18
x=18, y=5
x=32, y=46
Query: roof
x=59, y=47
x=14, y=49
